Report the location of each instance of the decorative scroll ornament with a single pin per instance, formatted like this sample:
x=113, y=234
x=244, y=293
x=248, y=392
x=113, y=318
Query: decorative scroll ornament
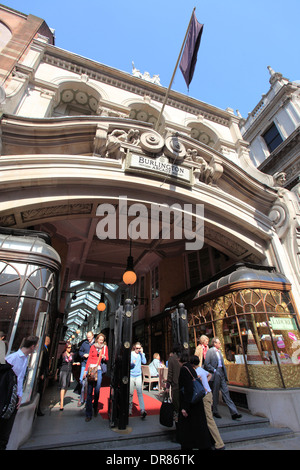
x=152, y=142
x=174, y=148
x=279, y=218
x=116, y=143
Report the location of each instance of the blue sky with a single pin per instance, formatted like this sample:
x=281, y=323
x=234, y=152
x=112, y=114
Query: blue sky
x=240, y=39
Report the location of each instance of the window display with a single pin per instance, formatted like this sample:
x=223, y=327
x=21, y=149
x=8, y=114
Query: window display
x=259, y=332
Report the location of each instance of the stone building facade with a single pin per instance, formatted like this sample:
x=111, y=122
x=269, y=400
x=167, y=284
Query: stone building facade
x=86, y=159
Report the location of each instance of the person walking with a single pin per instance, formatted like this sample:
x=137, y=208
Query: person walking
x=19, y=362
x=174, y=366
x=193, y=432
x=136, y=379
x=207, y=402
x=97, y=356
x=44, y=372
x=83, y=352
x=214, y=363
x=65, y=363
x=202, y=348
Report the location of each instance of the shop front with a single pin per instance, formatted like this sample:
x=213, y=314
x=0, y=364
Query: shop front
x=29, y=273
x=252, y=312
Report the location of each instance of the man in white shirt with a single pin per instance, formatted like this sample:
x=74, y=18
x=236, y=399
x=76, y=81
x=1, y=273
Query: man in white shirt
x=214, y=363
x=18, y=360
x=136, y=377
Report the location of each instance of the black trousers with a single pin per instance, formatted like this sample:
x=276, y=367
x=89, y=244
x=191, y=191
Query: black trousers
x=6, y=426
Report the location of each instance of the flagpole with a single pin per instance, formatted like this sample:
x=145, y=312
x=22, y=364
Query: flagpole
x=171, y=82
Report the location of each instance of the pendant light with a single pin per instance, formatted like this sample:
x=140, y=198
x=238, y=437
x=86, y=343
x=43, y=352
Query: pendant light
x=129, y=277
x=101, y=305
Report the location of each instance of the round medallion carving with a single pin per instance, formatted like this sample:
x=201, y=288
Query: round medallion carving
x=81, y=97
x=152, y=142
x=67, y=96
x=174, y=148
x=142, y=116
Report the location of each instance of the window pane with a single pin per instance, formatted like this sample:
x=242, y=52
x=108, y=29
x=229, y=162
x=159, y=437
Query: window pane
x=272, y=138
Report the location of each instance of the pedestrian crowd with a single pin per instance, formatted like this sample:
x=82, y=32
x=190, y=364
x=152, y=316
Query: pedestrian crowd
x=194, y=420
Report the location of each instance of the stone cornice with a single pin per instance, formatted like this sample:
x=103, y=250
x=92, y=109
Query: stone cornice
x=262, y=113
x=281, y=153
x=105, y=142
x=123, y=80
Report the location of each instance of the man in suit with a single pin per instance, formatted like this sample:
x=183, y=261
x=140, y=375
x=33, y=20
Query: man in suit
x=44, y=372
x=214, y=363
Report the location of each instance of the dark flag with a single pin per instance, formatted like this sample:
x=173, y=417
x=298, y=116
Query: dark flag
x=189, y=56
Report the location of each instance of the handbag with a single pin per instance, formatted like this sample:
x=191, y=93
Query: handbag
x=103, y=364
x=92, y=374
x=166, y=412
x=198, y=389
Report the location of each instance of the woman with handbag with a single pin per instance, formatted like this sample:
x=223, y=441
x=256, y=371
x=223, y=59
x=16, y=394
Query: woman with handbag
x=94, y=369
x=65, y=363
x=193, y=432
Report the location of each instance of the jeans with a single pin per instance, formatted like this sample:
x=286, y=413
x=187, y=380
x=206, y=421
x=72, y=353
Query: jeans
x=136, y=382
x=82, y=383
x=82, y=371
x=89, y=399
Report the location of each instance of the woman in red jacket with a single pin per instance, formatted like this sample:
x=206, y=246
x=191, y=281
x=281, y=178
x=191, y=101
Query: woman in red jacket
x=98, y=355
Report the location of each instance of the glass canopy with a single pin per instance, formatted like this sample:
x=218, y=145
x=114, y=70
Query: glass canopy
x=85, y=302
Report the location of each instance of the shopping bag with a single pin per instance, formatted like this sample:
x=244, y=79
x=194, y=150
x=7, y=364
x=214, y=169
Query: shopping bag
x=166, y=412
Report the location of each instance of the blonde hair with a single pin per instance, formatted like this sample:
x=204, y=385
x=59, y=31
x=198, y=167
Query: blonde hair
x=203, y=337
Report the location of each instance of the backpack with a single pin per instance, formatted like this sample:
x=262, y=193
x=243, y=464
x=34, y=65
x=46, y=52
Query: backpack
x=8, y=391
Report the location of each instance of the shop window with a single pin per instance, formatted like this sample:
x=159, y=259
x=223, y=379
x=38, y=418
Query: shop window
x=259, y=333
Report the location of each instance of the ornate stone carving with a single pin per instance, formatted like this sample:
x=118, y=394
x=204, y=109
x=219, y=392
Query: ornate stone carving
x=54, y=211
x=224, y=241
x=206, y=173
x=111, y=145
x=7, y=220
x=279, y=178
x=116, y=143
x=285, y=216
x=152, y=142
x=145, y=76
x=174, y=148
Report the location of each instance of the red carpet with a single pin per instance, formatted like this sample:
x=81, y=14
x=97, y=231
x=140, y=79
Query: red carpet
x=152, y=405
